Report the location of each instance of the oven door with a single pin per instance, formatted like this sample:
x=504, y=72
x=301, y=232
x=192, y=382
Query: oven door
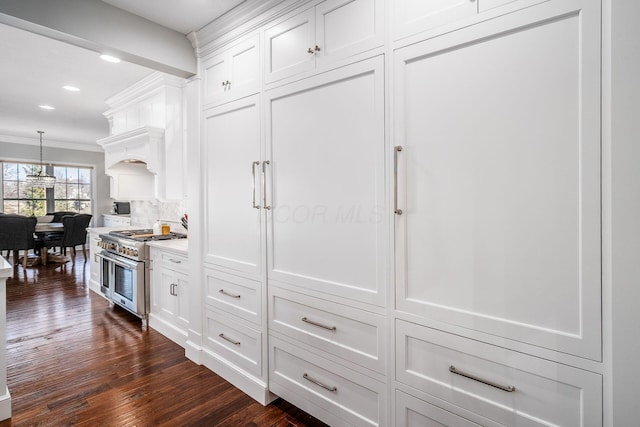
x=126, y=283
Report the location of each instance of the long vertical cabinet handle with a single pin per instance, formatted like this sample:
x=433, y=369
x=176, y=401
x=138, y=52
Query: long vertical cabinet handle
x=264, y=184
x=396, y=150
x=253, y=183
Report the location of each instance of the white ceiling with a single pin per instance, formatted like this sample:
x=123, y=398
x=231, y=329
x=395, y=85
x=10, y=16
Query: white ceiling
x=34, y=69
x=183, y=16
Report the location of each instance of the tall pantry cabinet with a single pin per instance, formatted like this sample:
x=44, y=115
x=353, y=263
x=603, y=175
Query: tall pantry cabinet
x=407, y=232
x=498, y=223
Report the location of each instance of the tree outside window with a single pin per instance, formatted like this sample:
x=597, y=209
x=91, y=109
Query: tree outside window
x=72, y=191
x=18, y=196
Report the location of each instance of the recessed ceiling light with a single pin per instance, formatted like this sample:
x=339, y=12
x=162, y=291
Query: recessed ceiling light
x=110, y=58
x=47, y=107
x=71, y=88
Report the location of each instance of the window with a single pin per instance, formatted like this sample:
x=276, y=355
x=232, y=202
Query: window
x=72, y=191
x=18, y=197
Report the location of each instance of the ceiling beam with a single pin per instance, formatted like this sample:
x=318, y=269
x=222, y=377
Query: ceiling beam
x=100, y=27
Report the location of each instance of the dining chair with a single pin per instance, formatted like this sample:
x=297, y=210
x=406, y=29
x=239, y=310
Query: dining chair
x=16, y=234
x=74, y=234
x=58, y=215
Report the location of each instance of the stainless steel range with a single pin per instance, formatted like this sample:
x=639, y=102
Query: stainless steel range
x=124, y=268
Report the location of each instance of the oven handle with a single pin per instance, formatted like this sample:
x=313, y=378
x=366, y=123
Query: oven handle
x=122, y=263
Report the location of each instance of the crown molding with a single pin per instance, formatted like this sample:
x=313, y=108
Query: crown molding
x=246, y=17
x=143, y=89
x=51, y=143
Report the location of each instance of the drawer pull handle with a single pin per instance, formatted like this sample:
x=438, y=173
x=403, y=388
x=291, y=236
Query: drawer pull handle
x=223, y=292
x=508, y=388
x=331, y=328
x=316, y=382
x=234, y=342
x=175, y=261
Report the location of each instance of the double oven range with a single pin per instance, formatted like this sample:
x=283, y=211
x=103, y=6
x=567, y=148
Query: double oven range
x=124, y=268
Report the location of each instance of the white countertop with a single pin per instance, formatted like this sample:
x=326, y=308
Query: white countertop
x=6, y=269
x=180, y=246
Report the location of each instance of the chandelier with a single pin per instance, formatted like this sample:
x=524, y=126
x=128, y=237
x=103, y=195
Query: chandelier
x=41, y=179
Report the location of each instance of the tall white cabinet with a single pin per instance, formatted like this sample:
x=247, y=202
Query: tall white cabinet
x=409, y=233
x=327, y=243
x=498, y=221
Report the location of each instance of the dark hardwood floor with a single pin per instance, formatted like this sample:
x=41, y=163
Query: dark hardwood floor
x=73, y=360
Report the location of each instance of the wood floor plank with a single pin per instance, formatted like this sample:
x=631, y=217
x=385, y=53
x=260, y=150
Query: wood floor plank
x=73, y=360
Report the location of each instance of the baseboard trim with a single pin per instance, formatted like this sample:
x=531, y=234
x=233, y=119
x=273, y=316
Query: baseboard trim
x=253, y=387
x=5, y=405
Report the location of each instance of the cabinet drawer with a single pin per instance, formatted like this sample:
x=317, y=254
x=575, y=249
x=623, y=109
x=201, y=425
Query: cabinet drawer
x=238, y=344
x=174, y=262
x=233, y=294
x=347, y=332
x=413, y=412
x=545, y=393
x=304, y=378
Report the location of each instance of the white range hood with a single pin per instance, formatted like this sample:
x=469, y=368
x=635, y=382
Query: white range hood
x=144, y=156
x=133, y=159
x=144, y=144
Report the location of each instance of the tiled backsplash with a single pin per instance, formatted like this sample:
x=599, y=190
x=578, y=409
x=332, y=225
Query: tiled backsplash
x=144, y=213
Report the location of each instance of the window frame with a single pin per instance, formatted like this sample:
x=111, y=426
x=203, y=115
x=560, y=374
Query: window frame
x=49, y=199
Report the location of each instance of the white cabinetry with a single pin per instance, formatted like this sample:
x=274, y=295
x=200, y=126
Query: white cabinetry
x=232, y=73
x=234, y=278
x=325, y=137
x=144, y=155
x=498, y=230
x=500, y=190
x=94, y=267
x=169, y=294
x=437, y=17
x=412, y=412
x=332, y=30
x=505, y=386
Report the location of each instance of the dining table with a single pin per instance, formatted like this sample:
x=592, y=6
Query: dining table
x=47, y=227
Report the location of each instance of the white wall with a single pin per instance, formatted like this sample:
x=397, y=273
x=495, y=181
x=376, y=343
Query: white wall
x=621, y=116
x=102, y=202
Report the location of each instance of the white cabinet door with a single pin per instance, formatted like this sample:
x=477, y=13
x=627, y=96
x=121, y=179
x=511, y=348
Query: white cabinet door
x=500, y=178
x=181, y=296
x=232, y=169
x=325, y=137
x=233, y=73
x=289, y=46
x=347, y=27
x=410, y=16
x=165, y=300
x=169, y=294
x=333, y=30
x=215, y=74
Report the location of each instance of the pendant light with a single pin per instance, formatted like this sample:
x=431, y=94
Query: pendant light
x=41, y=179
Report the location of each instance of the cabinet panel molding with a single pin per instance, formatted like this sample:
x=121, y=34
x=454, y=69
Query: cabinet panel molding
x=499, y=187
x=325, y=141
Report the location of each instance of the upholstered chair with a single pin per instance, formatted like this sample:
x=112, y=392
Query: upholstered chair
x=16, y=234
x=74, y=234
